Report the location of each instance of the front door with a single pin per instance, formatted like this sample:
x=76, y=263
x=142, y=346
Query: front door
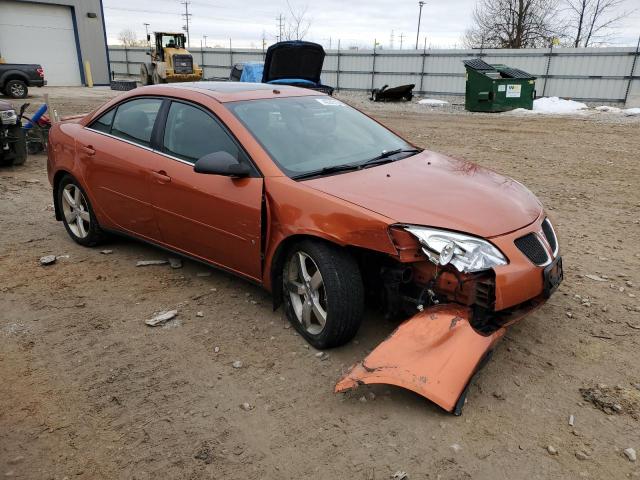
x=212, y=217
x=117, y=146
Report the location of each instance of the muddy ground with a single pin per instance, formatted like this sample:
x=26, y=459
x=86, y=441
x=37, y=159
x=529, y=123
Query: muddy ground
x=88, y=391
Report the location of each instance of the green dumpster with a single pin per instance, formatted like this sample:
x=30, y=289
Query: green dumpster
x=497, y=88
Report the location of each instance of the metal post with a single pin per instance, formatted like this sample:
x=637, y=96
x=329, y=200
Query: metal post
x=419, y=18
x=633, y=67
x=201, y=58
x=546, y=74
x=338, y=68
x=424, y=57
x=126, y=59
x=373, y=67
x=230, y=54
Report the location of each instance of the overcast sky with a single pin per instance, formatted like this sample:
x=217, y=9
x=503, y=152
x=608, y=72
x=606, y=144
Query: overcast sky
x=354, y=22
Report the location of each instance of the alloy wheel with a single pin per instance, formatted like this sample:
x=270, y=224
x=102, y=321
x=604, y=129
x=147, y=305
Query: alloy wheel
x=306, y=290
x=17, y=90
x=76, y=210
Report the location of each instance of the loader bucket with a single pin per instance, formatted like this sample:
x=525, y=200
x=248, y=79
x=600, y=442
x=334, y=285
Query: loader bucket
x=434, y=353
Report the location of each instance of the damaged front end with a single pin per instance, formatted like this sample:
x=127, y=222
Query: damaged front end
x=435, y=354
x=466, y=292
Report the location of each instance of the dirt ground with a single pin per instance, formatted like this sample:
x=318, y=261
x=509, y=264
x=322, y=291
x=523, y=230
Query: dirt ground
x=88, y=391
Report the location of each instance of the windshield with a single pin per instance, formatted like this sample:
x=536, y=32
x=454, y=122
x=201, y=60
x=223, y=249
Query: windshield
x=310, y=134
x=173, y=41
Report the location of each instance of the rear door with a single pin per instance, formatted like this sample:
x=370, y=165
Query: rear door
x=212, y=217
x=116, y=150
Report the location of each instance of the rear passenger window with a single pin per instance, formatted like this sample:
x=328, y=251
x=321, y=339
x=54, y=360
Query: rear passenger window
x=103, y=124
x=191, y=134
x=134, y=120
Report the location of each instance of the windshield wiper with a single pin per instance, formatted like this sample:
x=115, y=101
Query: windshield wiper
x=326, y=170
x=384, y=156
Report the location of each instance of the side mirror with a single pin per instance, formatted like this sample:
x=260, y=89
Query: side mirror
x=221, y=163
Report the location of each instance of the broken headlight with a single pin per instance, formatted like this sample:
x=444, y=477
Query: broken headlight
x=466, y=253
x=8, y=117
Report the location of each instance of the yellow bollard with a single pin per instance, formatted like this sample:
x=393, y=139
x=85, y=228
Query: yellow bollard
x=87, y=74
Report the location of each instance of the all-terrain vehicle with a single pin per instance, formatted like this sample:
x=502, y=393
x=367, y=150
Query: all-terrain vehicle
x=13, y=147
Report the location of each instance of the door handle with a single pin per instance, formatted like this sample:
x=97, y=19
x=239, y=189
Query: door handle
x=88, y=149
x=161, y=176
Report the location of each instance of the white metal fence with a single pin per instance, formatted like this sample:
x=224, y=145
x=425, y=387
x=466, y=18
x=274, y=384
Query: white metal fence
x=589, y=74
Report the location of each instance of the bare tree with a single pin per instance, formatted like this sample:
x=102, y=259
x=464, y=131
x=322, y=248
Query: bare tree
x=297, y=24
x=513, y=23
x=593, y=22
x=128, y=38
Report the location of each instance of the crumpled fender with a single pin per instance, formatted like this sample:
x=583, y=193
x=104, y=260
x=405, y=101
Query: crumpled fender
x=435, y=354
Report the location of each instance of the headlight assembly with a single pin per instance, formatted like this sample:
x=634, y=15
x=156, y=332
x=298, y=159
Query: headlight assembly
x=466, y=253
x=8, y=117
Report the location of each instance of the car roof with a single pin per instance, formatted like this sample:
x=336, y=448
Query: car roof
x=236, y=91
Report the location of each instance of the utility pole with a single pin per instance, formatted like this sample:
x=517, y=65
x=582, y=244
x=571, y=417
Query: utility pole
x=146, y=32
x=187, y=17
x=420, y=4
x=401, y=37
x=280, y=20
x=391, y=41
x=205, y=41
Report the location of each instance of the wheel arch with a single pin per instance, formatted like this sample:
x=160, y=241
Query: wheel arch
x=280, y=254
x=13, y=75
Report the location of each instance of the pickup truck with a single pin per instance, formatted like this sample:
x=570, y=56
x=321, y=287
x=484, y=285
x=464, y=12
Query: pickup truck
x=16, y=78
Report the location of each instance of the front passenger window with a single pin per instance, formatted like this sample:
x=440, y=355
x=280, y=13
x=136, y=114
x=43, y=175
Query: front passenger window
x=191, y=134
x=134, y=120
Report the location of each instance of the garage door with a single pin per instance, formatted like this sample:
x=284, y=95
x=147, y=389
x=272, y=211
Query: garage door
x=44, y=34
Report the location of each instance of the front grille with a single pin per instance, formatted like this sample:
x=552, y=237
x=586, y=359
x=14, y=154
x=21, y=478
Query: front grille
x=550, y=235
x=183, y=64
x=533, y=249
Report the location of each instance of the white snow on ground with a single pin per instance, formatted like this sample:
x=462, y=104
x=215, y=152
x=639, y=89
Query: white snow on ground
x=557, y=105
x=432, y=101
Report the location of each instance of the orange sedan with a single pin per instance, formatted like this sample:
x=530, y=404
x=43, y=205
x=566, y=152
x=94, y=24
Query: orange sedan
x=325, y=208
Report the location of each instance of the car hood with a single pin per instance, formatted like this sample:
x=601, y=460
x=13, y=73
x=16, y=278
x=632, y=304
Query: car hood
x=438, y=191
x=293, y=60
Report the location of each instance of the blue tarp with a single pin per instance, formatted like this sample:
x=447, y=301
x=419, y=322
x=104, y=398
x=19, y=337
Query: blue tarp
x=252, y=72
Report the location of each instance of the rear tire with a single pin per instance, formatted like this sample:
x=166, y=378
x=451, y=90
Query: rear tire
x=77, y=214
x=16, y=89
x=324, y=300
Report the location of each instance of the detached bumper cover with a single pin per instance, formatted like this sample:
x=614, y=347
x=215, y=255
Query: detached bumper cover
x=434, y=353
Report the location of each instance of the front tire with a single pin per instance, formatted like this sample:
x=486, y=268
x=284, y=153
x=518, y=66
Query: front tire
x=323, y=293
x=145, y=76
x=77, y=214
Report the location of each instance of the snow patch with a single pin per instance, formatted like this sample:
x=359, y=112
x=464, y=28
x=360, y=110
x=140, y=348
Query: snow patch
x=432, y=101
x=631, y=112
x=557, y=105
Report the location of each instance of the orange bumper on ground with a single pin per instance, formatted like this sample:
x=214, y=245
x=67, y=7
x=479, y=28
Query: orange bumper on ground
x=435, y=354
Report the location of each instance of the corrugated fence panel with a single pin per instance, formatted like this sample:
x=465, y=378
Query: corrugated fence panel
x=580, y=73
